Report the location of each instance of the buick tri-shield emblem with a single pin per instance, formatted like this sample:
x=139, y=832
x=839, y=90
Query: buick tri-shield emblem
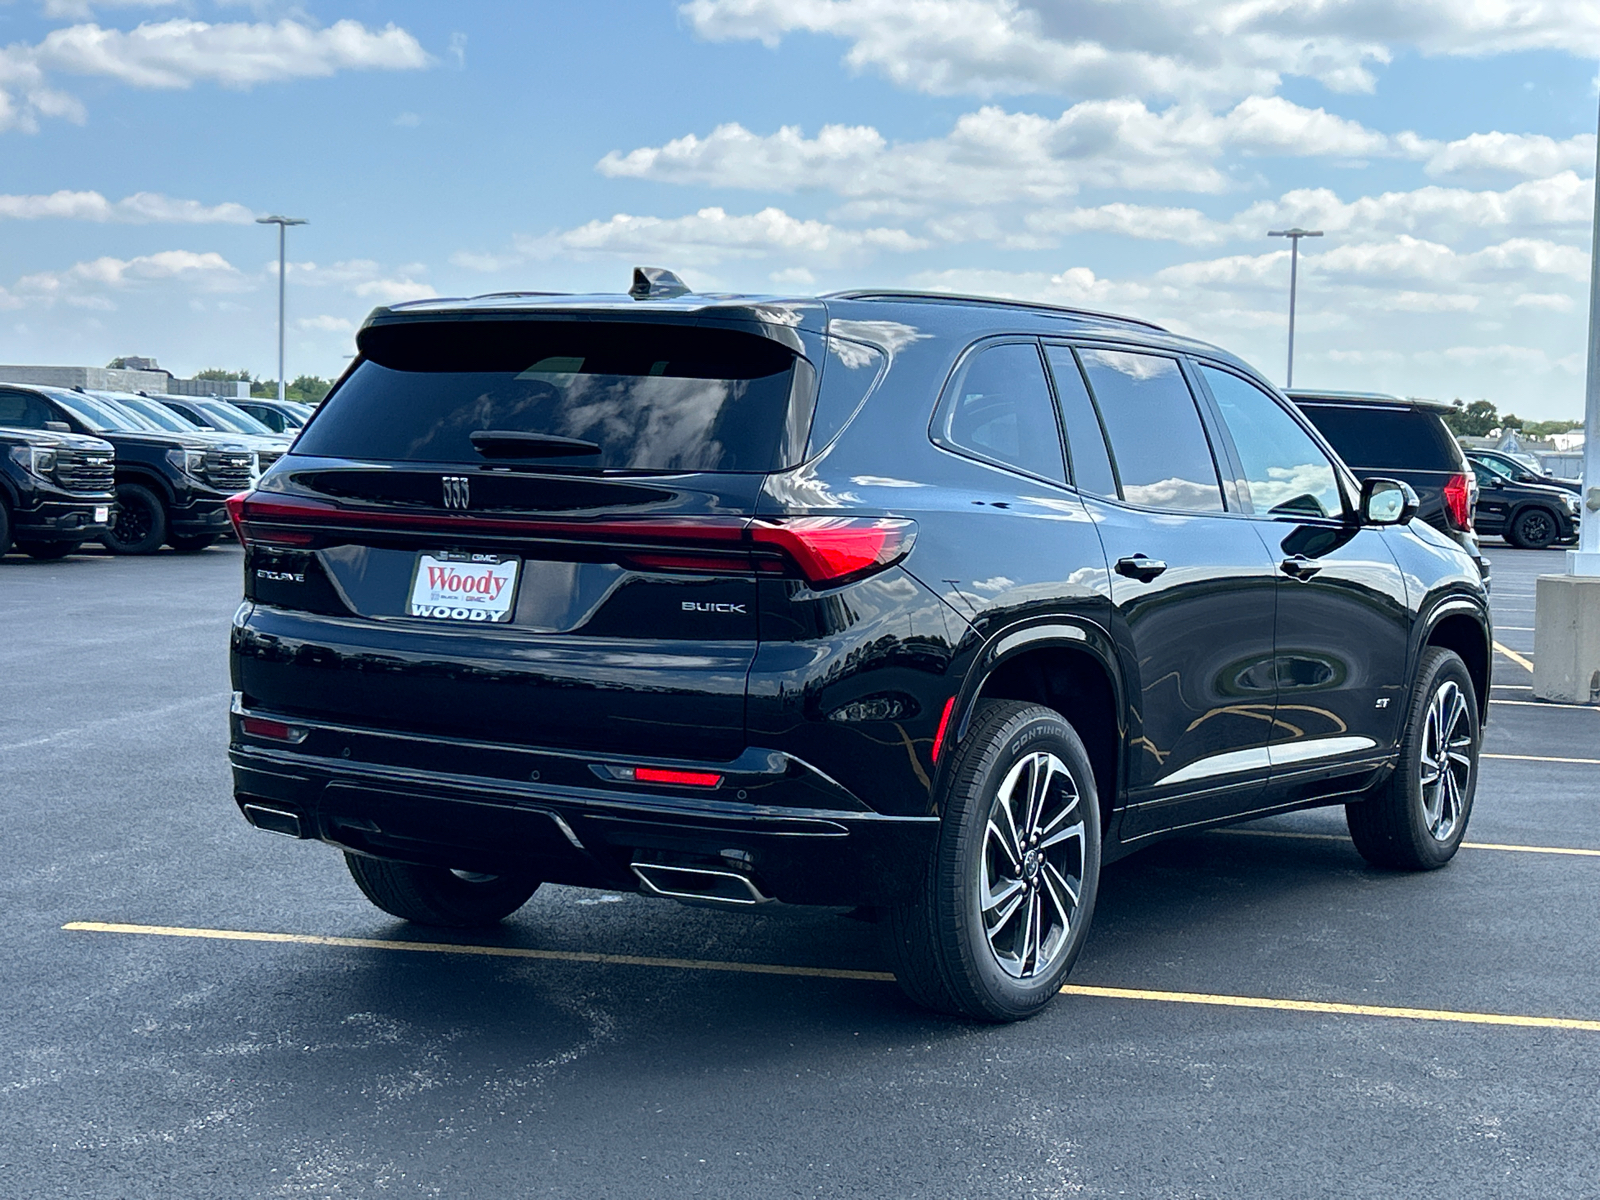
x=457, y=491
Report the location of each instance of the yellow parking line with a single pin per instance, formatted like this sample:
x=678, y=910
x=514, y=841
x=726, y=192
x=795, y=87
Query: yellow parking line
x=1339, y=837
x=1525, y=663
x=1343, y=1010
x=696, y=964
x=1590, y=762
x=577, y=956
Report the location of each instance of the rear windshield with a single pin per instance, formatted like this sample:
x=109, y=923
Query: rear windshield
x=1386, y=439
x=650, y=397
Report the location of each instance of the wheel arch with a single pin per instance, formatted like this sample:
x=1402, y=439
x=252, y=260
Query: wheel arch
x=1067, y=665
x=146, y=478
x=1460, y=625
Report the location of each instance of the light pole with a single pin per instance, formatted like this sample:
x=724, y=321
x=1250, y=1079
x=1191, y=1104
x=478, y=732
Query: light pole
x=283, y=224
x=1294, y=236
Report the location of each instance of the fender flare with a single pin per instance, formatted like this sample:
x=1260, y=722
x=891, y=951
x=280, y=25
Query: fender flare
x=145, y=477
x=1068, y=632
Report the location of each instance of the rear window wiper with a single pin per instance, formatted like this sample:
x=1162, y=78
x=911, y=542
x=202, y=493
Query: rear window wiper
x=511, y=443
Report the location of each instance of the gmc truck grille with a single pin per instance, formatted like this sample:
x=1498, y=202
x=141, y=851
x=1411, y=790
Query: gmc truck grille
x=230, y=470
x=266, y=458
x=80, y=471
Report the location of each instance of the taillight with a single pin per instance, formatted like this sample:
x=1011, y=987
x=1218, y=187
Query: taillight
x=254, y=519
x=700, y=779
x=1458, y=503
x=278, y=731
x=830, y=550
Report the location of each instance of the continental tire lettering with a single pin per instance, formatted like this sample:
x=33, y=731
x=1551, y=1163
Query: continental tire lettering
x=1031, y=735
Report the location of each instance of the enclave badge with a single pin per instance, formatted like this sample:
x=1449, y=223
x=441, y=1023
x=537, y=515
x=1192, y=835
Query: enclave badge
x=457, y=491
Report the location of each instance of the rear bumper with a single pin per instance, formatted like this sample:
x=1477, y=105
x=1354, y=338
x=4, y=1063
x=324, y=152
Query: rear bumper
x=585, y=834
x=65, y=519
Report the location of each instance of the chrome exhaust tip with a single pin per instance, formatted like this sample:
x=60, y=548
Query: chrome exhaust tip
x=275, y=820
x=699, y=885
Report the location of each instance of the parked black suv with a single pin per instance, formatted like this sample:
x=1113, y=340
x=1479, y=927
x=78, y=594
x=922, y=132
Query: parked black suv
x=922, y=604
x=170, y=487
x=1381, y=435
x=55, y=486
x=1502, y=463
x=1531, y=516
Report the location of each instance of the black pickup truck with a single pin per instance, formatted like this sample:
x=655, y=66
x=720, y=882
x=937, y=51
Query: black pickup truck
x=170, y=487
x=55, y=487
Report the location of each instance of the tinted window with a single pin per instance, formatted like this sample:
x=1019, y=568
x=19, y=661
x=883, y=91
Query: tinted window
x=1086, y=444
x=999, y=408
x=1495, y=465
x=270, y=417
x=21, y=410
x=103, y=416
x=851, y=370
x=651, y=397
x=1287, y=473
x=156, y=413
x=1395, y=439
x=1159, y=447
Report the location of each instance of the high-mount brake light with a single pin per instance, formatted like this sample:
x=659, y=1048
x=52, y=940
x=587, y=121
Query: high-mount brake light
x=831, y=550
x=1458, y=503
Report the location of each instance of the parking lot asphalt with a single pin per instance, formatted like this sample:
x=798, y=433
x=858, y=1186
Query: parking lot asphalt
x=611, y=1046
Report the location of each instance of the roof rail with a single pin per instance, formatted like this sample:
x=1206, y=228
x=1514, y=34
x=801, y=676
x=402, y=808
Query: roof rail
x=509, y=295
x=959, y=298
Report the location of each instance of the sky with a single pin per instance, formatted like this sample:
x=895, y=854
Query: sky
x=1122, y=155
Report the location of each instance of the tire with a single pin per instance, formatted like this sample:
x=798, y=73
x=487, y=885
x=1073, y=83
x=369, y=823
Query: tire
x=951, y=954
x=192, y=544
x=1533, y=529
x=141, y=524
x=48, y=551
x=437, y=895
x=1409, y=822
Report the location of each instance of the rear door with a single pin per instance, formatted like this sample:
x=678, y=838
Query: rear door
x=1192, y=590
x=526, y=532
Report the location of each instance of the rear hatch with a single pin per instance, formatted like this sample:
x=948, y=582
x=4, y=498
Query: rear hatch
x=526, y=531
x=1410, y=444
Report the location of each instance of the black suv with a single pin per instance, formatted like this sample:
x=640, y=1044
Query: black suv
x=170, y=487
x=919, y=604
x=1379, y=435
x=1502, y=463
x=55, y=486
x=1529, y=515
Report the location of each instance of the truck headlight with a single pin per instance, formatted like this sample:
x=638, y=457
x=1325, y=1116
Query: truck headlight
x=35, y=460
x=190, y=462
x=1574, y=504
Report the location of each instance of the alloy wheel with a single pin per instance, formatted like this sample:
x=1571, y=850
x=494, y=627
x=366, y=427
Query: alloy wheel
x=1447, y=761
x=1031, y=869
x=133, y=525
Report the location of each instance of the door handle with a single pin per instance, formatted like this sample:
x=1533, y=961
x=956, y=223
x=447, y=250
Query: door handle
x=1137, y=566
x=1299, y=567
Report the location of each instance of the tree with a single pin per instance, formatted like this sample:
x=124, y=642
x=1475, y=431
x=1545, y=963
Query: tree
x=1511, y=421
x=222, y=376
x=1544, y=429
x=1472, y=420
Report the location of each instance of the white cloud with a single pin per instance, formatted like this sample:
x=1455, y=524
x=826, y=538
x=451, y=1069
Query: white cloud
x=83, y=10
x=1187, y=225
x=1531, y=155
x=180, y=53
x=993, y=155
x=1546, y=301
x=86, y=284
x=1182, y=48
x=139, y=209
x=705, y=238
x=360, y=277
x=325, y=324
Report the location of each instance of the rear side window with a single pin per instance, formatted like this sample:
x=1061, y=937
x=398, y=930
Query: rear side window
x=1393, y=439
x=998, y=407
x=649, y=397
x=1160, y=449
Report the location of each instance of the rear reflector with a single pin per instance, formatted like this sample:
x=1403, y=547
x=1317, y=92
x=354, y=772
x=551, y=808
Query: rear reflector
x=944, y=727
x=1458, y=503
x=831, y=550
x=277, y=731
x=700, y=779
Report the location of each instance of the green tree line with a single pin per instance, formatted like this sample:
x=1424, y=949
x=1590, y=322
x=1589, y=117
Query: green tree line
x=1480, y=417
x=308, y=389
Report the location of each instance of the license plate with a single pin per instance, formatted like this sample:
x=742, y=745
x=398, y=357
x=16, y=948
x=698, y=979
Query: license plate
x=464, y=587
x=102, y=514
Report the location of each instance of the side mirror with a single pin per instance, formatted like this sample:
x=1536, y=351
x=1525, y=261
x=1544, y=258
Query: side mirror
x=1387, y=502
x=58, y=427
